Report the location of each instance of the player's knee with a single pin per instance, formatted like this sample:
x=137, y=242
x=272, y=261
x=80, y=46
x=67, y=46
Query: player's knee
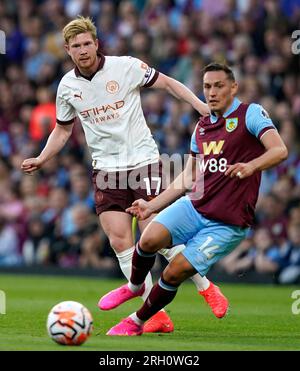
x=119, y=244
x=171, y=275
x=155, y=238
x=149, y=243
x=176, y=273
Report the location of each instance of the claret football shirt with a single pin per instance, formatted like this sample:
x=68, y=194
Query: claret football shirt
x=223, y=141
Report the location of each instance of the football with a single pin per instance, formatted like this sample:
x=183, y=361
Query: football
x=69, y=323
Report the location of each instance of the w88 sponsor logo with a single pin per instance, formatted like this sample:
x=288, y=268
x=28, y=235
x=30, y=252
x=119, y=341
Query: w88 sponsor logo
x=213, y=165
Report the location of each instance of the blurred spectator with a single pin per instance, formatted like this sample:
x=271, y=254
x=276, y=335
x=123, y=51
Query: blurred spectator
x=36, y=59
x=84, y=7
x=128, y=19
x=11, y=206
x=289, y=262
x=52, y=175
x=140, y=46
x=55, y=215
x=271, y=215
x=281, y=189
x=294, y=215
x=43, y=116
x=4, y=177
x=58, y=202
x=9, y=253
x=215, y=9
x=266, y=253
x=15, y=41
x=36, y=249
x=239, y=260
x=81, y=187
x=258, y=253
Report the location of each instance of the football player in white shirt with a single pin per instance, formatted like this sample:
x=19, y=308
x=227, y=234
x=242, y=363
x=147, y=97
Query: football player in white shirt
x=104, y=93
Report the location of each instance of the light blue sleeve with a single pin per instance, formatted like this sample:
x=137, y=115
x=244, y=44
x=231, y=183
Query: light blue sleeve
x=257, y=119
x=194, y=147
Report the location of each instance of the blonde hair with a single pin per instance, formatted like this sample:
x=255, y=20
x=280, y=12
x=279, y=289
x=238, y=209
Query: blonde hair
x=78, y=26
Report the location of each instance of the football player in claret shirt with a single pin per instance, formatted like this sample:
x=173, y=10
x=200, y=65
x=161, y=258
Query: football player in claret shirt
x=104, y=93
x=233, y=145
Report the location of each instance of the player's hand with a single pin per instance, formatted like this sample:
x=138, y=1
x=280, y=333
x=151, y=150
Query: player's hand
x=141, y=209
x=31, y=164
x=204, y=110
x=240, y=170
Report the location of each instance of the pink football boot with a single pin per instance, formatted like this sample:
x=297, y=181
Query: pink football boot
x=118, y=296
x=127, y=327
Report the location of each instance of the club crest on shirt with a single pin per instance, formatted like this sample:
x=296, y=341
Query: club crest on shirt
x=231, y=124
x=112, y=87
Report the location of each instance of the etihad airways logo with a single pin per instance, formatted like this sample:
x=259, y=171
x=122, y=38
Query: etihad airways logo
x=106, y=108
x=213, y=146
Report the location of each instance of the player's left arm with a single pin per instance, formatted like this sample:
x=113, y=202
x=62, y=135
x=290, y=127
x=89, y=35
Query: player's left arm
x=260, y=125
x=180, y=91
x=276, y=152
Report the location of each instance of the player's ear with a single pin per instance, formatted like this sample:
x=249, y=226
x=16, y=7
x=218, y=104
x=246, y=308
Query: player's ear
x=67, y=48
x=97, y=45
x=234, y=88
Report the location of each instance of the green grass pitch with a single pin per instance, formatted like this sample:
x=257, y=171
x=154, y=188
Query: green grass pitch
x=260, y=317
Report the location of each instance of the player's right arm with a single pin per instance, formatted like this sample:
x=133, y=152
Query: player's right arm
x=57, y=139
x=65, y=116
x=184, y=181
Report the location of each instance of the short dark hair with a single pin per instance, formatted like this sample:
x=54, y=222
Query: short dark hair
x=219, y=67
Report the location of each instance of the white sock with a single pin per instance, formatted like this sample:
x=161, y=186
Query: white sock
x=136, y=319
x=134, y=288
x=202, y=283
x=170, y=254
x=125, y=261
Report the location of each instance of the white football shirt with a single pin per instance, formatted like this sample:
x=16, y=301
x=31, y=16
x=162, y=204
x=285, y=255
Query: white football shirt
x=108, y=105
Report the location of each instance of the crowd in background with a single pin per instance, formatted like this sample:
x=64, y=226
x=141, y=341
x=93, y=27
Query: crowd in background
x=49, y=218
